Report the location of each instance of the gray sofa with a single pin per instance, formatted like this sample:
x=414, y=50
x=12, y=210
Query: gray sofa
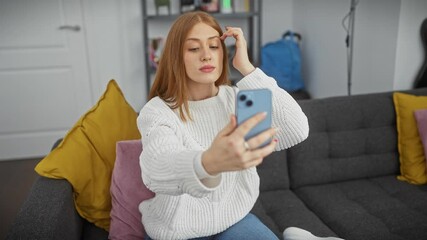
x=341, y=182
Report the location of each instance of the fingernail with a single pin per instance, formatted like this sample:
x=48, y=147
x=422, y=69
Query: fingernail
x=276, y=140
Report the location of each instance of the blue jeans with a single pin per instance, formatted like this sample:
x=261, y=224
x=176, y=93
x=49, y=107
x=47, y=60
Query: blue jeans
x=250, y=227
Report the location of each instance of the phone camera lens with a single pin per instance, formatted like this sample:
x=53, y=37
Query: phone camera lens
x=249, y=103
x=242, y=97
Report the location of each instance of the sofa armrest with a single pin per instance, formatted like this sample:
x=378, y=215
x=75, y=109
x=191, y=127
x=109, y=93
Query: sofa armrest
x=48, y=213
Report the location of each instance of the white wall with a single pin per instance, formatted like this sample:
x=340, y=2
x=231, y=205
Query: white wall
x=409, y=55
x=377, y=25
x=324, y=52
x=277, y=18
x=322, y=48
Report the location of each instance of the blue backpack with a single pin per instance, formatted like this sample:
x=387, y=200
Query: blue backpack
x=282, y=61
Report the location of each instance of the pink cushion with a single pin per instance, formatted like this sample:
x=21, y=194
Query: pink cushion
x=127, y=192
x=421, y=117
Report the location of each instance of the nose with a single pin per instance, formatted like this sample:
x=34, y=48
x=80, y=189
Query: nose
x=206, y=55
x=205, y=59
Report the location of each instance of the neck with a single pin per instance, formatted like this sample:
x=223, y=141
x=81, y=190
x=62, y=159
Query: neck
x=200, y=92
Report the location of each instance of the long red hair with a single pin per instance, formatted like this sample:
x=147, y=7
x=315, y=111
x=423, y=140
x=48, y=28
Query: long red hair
x=170, y=83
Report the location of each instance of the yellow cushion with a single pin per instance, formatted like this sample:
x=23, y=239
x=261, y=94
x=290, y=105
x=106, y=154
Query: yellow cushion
x=412, y=159
x=86, y=155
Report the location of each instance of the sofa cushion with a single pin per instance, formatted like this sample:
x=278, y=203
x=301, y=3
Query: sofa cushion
x=273, y=172
x=412, y=160
x=350, y=138
x=370, y=209
x=86, y=155
x=280, y=209
x=421, y=117
x=127, y=192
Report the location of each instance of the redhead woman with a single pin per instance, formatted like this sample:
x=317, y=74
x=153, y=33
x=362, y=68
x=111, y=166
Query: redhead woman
x=195, y=157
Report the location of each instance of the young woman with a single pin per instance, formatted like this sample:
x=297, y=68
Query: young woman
x=194, y=155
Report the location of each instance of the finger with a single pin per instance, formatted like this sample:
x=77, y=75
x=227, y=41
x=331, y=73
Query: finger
x=232, y=31
x=261, y=138
x=223, y=36
x=264, y=151
x=253, y=158
x=229, y=128
x=253, y=163
x=226, y=35
x=247, y=125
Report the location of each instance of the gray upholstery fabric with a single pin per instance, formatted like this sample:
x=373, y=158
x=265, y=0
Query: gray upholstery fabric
x=287, y=210
x=273, y=172
x=48, y=213
x=90, y=231
x=350, y=138
x=278, y=207
x=370, y=208
x=260, y=211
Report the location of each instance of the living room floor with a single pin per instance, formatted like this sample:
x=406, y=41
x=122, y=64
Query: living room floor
x=16, y=179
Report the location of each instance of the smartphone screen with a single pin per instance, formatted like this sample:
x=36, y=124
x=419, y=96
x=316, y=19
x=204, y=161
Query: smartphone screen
x=251, y=102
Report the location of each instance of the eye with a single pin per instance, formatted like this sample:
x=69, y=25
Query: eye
x=193, y=49
x=214, y=47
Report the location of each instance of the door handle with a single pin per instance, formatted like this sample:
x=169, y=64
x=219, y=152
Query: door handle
x=75, y=28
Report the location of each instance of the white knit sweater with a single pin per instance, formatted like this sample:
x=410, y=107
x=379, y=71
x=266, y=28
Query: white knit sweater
x=185, y=207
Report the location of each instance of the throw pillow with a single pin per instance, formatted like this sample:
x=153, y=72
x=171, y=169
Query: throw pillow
x=86, y=155
x=421, y=117
x=411, y=153
x=127, y=192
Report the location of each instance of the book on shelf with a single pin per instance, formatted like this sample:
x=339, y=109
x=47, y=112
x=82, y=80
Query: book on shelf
x=211, y=6
x=241, y=6
x=216, y=6
x=155, y=50
x=235, y=6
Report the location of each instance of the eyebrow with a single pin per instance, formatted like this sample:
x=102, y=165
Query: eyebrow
x=197, y=39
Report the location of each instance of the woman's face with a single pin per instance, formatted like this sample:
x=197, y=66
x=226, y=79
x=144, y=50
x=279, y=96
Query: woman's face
x=203, y=55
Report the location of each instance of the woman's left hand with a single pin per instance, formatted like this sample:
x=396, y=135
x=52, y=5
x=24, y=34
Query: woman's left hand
x=241, y=59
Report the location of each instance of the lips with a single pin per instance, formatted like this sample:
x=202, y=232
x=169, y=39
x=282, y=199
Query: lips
x=207, y=68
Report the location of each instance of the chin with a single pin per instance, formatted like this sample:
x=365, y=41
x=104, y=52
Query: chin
x=208, y=78
x=212, y=79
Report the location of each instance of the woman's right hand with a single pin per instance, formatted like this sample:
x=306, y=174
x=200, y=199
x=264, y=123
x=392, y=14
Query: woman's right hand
x=241, y=59
x=228, y=151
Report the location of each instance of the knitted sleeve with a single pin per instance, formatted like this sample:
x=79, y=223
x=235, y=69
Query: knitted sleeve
x=166, y=166
x=287, y=115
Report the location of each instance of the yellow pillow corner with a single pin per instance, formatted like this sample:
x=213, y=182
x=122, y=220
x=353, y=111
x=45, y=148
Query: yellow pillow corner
x=89, y=147
x=411, y=152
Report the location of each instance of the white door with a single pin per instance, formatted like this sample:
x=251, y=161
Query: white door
x=44, y=75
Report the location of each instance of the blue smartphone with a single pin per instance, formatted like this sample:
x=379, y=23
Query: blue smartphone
x=251, y=102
